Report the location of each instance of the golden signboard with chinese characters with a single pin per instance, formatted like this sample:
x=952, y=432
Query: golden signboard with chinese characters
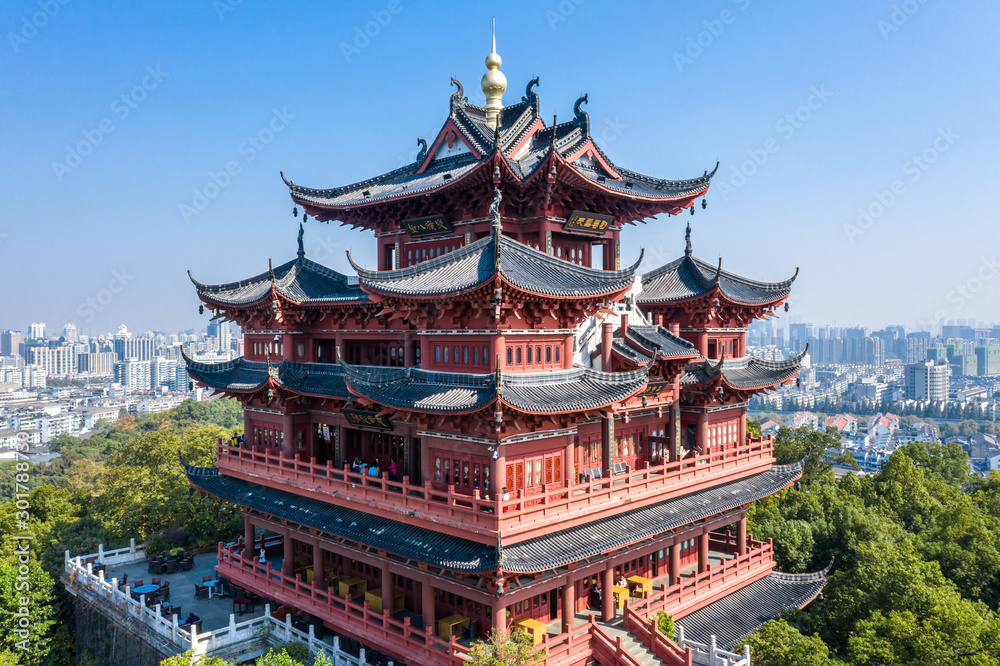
x=431, y=225
x=357, y=417
x=655, y=389
x=588, y=223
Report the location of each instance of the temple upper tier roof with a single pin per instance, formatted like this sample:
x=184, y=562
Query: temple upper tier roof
x=690, y=277
x=300, y=280
x=746, y=373
x=558, y=392
x=660, y=340
x=467, y=143
x=476, y=264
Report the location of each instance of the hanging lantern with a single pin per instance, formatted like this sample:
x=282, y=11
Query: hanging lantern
x=692, y=209
x=305, y=218
x=786, y=307
x=704, y=203
x=295, y=211
x=201, y=309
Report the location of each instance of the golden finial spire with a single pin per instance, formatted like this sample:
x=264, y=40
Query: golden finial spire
x=494, y=83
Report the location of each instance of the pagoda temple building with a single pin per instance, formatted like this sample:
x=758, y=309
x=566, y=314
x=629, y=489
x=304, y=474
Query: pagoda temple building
x=502, y=423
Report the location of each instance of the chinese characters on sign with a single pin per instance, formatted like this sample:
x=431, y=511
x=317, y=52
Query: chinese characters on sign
x=358, y=417
x=428, y=226
x=588, y=223
x=654, y=389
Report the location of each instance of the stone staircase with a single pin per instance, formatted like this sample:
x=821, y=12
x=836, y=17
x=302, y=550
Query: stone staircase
x=635, y=648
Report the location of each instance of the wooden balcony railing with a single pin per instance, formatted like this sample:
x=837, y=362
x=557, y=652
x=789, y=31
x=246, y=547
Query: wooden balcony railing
x=522, y=516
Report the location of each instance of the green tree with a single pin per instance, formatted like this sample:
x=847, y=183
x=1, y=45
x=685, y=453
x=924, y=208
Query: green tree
x=502, y=649
x=26, y=615
x=777, y=643
x=188, y=659
x=275, y=657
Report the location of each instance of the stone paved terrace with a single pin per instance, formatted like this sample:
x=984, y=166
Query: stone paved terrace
x=214, y=612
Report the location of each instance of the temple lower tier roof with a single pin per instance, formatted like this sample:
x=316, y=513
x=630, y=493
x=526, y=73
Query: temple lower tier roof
x=660, y=340
x=561, y=391
x=426, y=391
x=737, y=615
x=748, y=372
x=477, y=264
x=457, y=554
x=689, y=277
x=300, y=280
x=243, y=376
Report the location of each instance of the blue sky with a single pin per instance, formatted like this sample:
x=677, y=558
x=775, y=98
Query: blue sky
x=817, y=111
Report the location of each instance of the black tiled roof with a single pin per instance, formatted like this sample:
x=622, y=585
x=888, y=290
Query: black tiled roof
x=515, y=122
x=453, y=392
x=300, y=280
x=423, y=390
x=454, y=553
x=430, y=546
x=628, y=352
x=737, y=615
x=238, y=374
x=599, y=536
x=748, y=372
x=241, y=375
x=473, y=265
x=659, y=339
x=569, y=390
x=689, y=277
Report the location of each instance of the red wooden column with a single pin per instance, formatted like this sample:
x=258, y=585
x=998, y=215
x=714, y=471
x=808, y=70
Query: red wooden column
x=569, y=460
x=568, y=605
x=287, y=435
x=387, y=589
x=318, y=564
x=249, y=546
x=608, y=595
x=288, y=563
x=427, y=603
x=408, y=350
x=567, y=353
x=703, y=432
x=606, y=341
x=703, y=562
x=675, y=564
x=741, y=535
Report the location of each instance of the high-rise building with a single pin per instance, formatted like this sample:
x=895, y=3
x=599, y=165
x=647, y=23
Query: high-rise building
x=494, y=421
x=926, y=381
x=101, y=364
x=57, y=361
x=36, y=331
x=988, y=360
x=69, y=333
x=12, y=343
x=135, y=374
x=128, y=347
x=163, y=372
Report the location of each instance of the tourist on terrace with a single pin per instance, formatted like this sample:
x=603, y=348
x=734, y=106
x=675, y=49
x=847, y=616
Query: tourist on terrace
x=392, y=468
x=373, y=470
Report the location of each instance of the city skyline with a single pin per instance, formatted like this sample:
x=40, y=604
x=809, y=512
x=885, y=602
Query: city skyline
x=190, y=114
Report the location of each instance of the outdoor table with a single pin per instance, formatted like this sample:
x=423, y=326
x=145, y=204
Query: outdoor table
x=447, y=626
x=623, y=594
x=533, y=628
x=353, y=586
x=145, y=589
x=642, y=584
x=174, y=552
x=210, y=584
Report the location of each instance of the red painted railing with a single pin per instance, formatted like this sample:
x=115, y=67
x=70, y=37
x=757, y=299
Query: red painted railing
x=376, y=629
x=701, y=589
x=649, y=635
x=521, y=517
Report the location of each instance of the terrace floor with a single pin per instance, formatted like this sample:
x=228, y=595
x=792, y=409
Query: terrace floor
x=214, y=612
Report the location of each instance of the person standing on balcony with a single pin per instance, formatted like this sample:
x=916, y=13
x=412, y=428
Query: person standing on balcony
x=393, y=471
